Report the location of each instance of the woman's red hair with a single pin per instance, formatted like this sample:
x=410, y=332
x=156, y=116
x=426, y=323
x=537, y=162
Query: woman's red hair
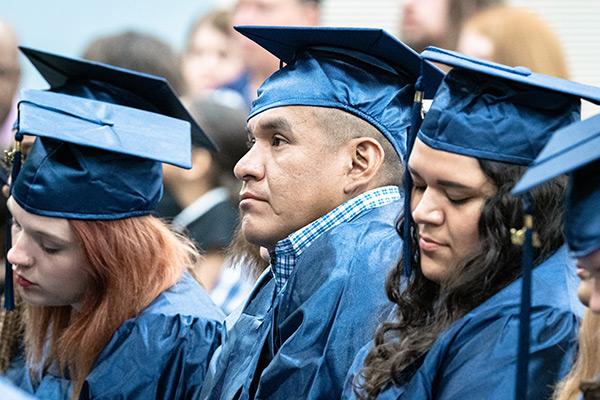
x=132, y=261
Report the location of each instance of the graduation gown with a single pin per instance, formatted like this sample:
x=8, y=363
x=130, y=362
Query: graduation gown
x=477, y=356
x=300, y=342
x=161, y=354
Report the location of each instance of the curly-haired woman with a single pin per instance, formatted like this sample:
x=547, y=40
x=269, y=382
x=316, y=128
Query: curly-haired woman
x=456, y=325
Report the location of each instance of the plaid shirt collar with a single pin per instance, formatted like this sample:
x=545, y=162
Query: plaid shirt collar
x=289, y=249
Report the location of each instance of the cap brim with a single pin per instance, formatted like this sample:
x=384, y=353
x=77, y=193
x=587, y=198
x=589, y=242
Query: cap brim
x=569, y=149
x=105, y=126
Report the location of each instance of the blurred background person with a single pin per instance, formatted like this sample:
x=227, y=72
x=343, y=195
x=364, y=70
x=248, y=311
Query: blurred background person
x=437, y=22
x=258, y=63
x=139, y=52
x=211, y=54
x=207, y=196
x=513, y=36
x=10, y=74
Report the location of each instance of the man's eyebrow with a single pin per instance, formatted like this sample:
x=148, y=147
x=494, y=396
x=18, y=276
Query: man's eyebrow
x=276, y=124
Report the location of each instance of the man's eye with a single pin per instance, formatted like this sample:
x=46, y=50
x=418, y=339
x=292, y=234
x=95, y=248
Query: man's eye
x=277, y=141
x=15, y=226
x=250, y=142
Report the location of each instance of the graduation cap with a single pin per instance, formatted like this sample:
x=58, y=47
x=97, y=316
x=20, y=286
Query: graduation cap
x=574, y=150
x=140, y=90
x=506, y=114
x=496, y=112
x=363, y=71
x=102, y=137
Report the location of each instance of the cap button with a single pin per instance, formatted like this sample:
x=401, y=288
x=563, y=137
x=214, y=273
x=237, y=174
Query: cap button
x=522, y=70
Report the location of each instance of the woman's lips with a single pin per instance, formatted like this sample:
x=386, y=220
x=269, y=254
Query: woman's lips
x=24, y=282
x=428, y=245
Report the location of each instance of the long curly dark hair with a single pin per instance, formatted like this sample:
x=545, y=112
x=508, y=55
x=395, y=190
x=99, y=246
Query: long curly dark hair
x=425, y=309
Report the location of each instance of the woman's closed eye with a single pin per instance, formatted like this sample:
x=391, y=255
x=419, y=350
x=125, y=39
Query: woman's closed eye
x=458, y=200
x=49, y=249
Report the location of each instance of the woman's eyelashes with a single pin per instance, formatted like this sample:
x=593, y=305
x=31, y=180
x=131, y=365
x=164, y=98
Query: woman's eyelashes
x=459, y=200
x=50, y=249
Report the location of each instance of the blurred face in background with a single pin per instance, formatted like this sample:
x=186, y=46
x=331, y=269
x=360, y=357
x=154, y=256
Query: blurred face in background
x=424, y=22
x=212, y=59
x=9, y=70
x=270, y=12
x=475, y=44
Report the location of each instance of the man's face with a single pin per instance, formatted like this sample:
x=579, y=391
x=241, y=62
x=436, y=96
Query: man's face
x=270, y=12
x=292, y=174
x=424, y=22
x=9, y=72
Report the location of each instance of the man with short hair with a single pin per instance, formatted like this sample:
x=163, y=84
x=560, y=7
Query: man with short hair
x=321, y=193
x=437, y=22
x=259, y=64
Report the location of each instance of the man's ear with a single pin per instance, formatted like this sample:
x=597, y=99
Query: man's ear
x=367, y=156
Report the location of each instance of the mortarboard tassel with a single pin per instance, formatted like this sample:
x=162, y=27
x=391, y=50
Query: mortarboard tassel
x=416, y=119
x=527, y=238
x=14, y=157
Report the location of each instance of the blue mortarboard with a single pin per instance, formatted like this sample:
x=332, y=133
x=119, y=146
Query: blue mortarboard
x=507, y=114
x=501, y=113
x=102, y=135
x=574, y=150
x=101, y=140
x=112, y=84
x=363, y=71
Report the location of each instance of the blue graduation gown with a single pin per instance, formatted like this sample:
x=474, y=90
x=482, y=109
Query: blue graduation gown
x=477, y=356
x=161, y=354
x=300, y=342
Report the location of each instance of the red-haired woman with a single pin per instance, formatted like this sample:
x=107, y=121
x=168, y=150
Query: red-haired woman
x=110, y=310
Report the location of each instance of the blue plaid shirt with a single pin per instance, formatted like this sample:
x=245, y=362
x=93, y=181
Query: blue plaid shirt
x=287, y=251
